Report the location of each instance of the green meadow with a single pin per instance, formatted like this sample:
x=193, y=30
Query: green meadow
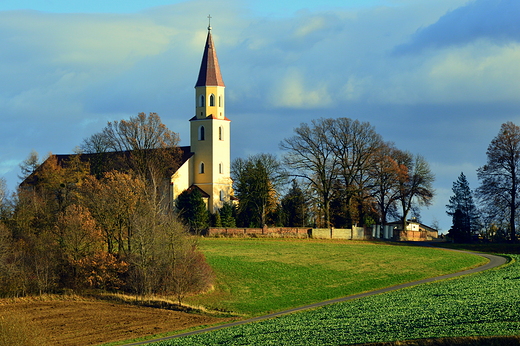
x=256, y=276
x=463, y=309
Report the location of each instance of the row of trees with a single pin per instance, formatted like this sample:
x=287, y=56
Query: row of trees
x=103, y=219
x=74, y=226
x=342, y=173
x=495, y=211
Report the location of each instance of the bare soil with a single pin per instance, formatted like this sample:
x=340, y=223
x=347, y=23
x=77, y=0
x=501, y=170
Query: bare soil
x=94, y=322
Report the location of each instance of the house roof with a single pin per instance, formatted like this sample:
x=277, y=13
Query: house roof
x=202, y=192
x=104, y=162
x=211, y=116
x=209, y=74
x=423, y=226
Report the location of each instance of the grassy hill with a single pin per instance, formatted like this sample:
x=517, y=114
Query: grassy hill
x=257, y=276
x=483, y=304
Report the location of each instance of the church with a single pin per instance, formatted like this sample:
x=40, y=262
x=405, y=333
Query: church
x=206, y=162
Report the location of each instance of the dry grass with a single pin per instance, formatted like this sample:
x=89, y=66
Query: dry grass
x=71, y=320
x=16, y=329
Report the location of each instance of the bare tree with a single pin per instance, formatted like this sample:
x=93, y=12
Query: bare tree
x=139, y=133
x=386, y=173
x=309, y=156
x=415, y=187
x=355, y=145
x=29, y=165
x=5, y=204
x=151, y=149
x=500, y=176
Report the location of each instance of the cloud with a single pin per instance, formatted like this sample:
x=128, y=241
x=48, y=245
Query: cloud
x=493, y=20
x=437, y=77
x=294, y=91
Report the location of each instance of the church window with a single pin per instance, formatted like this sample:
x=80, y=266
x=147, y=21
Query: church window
x=220, y=133
x=220, y=101
x=201, y=168
x=201, y=101
x=220, y=168
x=202, y=133
x=211, y=100
x=222, y=195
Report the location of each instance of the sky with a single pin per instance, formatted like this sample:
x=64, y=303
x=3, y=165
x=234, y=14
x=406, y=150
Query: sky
x=436, y=77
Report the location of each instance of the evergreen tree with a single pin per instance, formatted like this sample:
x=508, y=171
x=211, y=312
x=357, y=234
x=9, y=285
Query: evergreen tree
x=217, y=221
x=294, y=206
x=227, y=218
x=463, y=211
x=193, y=210
x=256, y=181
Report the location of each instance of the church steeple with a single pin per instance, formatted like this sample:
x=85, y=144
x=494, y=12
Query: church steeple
x=209, y=73
x=210, y=85
x=210, y=132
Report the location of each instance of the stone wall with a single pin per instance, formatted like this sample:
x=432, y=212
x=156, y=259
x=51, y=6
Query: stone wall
x=274, y=231
x=356, y=233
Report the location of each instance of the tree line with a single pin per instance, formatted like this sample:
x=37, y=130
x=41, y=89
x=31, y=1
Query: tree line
x=491, y=211
x=334, y=173
x=100, y=221
x=103, y=218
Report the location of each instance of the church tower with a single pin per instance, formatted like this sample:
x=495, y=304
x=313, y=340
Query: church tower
x=210, y=132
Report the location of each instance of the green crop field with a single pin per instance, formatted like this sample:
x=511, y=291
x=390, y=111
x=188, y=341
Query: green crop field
x=483, y=304
x=258, y=276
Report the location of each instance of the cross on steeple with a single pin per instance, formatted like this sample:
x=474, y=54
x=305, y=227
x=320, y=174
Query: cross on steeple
x=209, y=22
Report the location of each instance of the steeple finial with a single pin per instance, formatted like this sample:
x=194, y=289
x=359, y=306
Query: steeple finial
x=209, y=74
x=209, y=22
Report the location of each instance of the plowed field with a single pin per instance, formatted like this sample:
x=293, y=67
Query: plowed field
x=69, y=323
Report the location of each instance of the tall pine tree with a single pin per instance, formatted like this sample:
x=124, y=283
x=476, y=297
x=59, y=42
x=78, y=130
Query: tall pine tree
x=463, y=211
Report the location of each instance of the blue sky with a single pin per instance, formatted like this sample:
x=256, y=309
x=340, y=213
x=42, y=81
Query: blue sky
x=437, y=77
x=262, y=8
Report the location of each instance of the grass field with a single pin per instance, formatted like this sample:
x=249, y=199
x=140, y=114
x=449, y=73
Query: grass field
x=258, y=276
x=483, y=304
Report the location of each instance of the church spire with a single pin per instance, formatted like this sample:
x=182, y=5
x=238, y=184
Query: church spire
x=209, y=74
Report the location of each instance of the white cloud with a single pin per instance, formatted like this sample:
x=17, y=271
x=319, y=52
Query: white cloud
x=294, y=91
x=479, y=72
x=313, y=25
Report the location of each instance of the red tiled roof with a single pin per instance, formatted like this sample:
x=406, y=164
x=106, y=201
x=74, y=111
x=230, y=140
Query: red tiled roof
x=202, y=192
x=211, y=116
x=209, y=74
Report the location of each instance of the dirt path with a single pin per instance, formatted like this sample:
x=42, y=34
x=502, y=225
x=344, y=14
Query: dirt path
x=71, y=323
x=494, y=261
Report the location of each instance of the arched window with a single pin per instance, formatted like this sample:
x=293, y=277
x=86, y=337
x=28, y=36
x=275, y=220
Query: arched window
x=220, y=168
x=222, y=195
x=211, y=100
x=201, y=101
x=220, y=133
x=202, y=133
x=201, y=168
x=220, y=101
